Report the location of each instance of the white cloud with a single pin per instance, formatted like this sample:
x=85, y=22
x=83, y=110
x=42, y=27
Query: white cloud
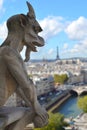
x=51, y=26
x=51, y=51
x=65, y=46
x=1, y=4
x=3, y=31
x=82, y=46
x=79, y=49
x=77, y=30
x=2, y=9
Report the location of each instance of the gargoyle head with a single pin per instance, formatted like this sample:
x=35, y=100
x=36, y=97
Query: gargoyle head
x=28, y=28
x=34, y=29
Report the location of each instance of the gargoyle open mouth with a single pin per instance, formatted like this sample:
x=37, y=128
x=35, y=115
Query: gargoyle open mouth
x=39, y=42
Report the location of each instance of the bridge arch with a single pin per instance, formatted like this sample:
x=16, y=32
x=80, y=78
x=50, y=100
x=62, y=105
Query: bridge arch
x=73, y=93
x=83, y=93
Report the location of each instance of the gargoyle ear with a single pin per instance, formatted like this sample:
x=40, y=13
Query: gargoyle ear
x=31, y=13
x=23, y=20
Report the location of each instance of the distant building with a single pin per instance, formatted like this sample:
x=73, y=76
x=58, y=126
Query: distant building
x=84, y=73
x=75, y=79
x=81, y=78
x=44, y=85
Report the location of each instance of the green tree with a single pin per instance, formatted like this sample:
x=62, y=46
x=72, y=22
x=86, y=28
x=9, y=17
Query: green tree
x=56, y=78
x=60, y=78
x=82, y=103
x=56, y=122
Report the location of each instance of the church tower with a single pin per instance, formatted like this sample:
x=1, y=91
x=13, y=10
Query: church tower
x=57, y=56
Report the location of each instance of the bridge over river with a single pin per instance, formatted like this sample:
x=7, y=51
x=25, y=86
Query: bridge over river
x=57, y=101
x=80, y=90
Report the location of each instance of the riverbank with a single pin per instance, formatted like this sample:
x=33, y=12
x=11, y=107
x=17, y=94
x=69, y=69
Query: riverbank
x=57, y=102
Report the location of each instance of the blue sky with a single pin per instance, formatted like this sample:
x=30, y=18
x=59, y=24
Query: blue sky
x=64, y=24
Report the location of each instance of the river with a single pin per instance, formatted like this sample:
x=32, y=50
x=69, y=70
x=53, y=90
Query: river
x=70, y=108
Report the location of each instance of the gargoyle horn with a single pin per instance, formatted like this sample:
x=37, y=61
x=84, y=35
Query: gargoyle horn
x=31, y=12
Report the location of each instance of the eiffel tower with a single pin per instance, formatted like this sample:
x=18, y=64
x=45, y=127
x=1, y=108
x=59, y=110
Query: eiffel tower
x=57, y=56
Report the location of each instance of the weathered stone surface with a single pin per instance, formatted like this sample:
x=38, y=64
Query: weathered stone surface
x=9, y=115
x=22, y=31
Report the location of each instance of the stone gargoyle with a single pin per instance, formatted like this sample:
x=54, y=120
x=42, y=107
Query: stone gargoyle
x=22, y=31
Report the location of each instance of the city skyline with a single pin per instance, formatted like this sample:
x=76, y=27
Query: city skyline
x=64, y=26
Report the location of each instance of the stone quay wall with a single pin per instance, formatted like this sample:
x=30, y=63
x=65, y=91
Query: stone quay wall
x=58, y=102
